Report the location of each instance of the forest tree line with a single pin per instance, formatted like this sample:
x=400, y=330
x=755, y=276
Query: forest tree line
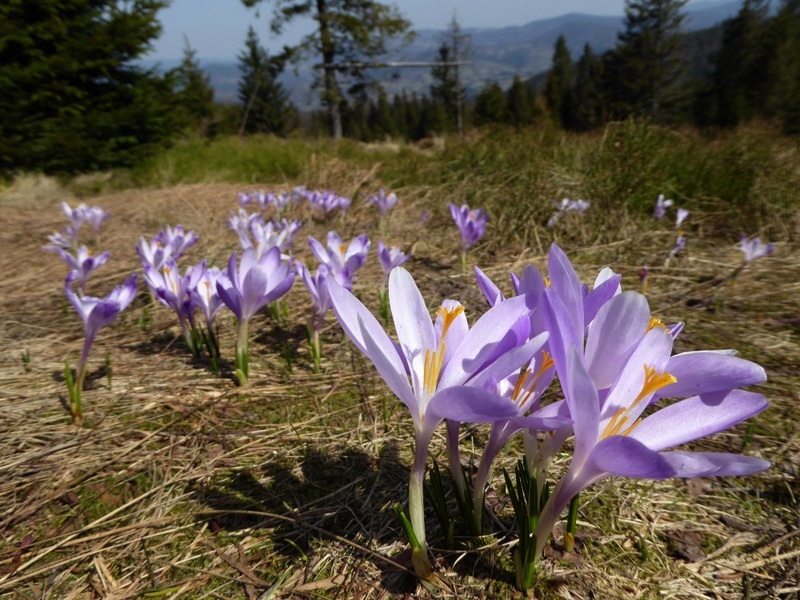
x=74, y=96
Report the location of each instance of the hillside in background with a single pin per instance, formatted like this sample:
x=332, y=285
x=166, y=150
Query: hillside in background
x=497, y=54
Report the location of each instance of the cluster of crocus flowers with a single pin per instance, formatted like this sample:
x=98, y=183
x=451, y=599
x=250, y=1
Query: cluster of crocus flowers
x=471, y=224
x=170, y=242
x=95, y=313
x=613, y=360
x=565, y=206
x=342, y=259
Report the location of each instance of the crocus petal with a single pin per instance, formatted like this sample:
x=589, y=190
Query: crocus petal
x=603, y=292
x=469, y=405
x=386, y=360
x=564, y=280
x=229, y=298
x=653, y=351
x=697, y=417
x=510, y=362
x=619, y=326
x=707, y=371
x=584, y=405
x=627, y=457
x=713, y=464
x=360, y=326
x=491, y=336
x=490, y=291
x=411, y=321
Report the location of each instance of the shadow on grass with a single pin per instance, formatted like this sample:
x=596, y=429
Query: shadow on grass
x=331, y=494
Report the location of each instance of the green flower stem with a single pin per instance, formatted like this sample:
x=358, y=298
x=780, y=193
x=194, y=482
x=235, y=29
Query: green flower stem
x=242, y=356
x=416, y=509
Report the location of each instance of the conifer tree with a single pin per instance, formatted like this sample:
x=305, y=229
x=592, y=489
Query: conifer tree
x=740, y=68
x=194, y=94
x=587, y=95
x=491, y=105
x=644, y=71
x=74, y=97
x=265, y=105
x=445, y=89
x=558, y=89
x=348, y=32
x=519, y=103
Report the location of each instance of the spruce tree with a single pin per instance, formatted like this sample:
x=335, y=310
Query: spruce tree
x=74, y=97
x=445, y=89
x=194, y=94
x=558, y=89
x=587, y=95
x=519, y=103
x=644, y=72
x=349, y=33
x=265, y=105
x=738, y=83
x=491, y=105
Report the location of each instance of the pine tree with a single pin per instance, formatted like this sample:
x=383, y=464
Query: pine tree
x=558, y=89
x=738, y=84
x=349, y=32
x=194, y=94
x=74, y=97
x=587, y=95
x=445, y=89
x=491, y=105
x=786, y=89
x=519, y=103
x=265, y=105
x=643, y=73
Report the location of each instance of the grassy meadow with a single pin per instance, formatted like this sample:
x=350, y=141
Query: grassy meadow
x=182, y=485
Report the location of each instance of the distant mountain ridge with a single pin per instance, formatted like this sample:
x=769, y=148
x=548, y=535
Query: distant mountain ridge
x=496, y=54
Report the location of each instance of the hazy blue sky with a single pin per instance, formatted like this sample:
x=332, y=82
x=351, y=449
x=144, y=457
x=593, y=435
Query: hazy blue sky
x=217, y=28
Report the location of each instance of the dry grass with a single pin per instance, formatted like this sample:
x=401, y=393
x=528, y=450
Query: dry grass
x=182, y=485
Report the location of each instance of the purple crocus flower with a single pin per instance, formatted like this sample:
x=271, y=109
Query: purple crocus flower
x=96, y=215
x=174, y=291
x=204, y=294
x=254, y=284
x=682, y=213
x=176, y=239
x=680, y=244
x=390, y=258
x=241, y=222
x=82, y=264
x=383, y=201
x=64, y=240
x=432, y=367
x=567, y=205
x=95, y=313
x=754, y=249
x=76, y=216
x=153, y=253
x=662, y=205
x=625, y=366
x=340, y=258
x=471, y=224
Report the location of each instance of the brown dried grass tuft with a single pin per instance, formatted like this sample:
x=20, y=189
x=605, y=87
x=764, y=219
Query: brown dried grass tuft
x=181, y=484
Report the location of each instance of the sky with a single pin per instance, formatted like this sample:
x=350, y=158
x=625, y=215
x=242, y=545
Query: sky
x=217, y=28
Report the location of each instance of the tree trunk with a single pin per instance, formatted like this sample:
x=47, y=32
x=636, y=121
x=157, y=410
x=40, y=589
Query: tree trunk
x=332, y=98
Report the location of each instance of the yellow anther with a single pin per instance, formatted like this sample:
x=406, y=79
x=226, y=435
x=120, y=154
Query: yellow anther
x=615, y=424
x=448, y=317
x=547, y=362
x=546, y=282
x=653, y=382
x=654, y=322
x=432, y=367
x=519, y=385
x=343, y=248
x=208, y=291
